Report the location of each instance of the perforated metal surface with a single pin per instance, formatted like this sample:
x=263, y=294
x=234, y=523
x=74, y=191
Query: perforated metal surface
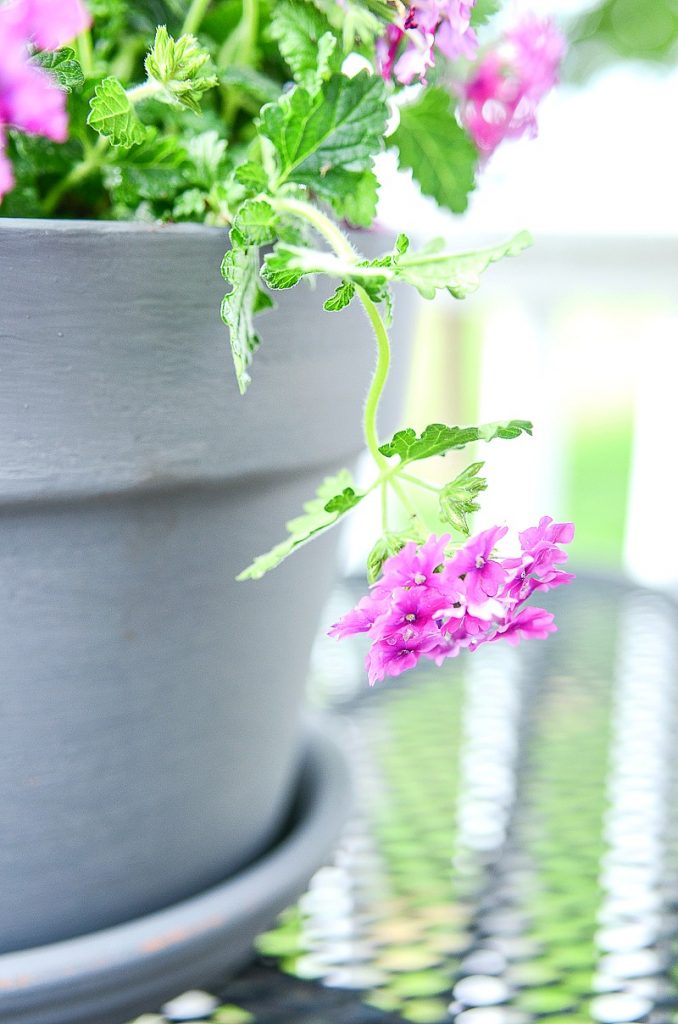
x=514, y=853
x=515, y=849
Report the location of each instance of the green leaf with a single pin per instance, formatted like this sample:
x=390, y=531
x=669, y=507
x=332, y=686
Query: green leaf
x=457, y=499
x=240, y=268
x=432, y=267
x=277, y=271
x=305, y=41
x=334, y=497
x=63, y=65
x=437, y=439
x=253, y=83
x=483, y=10
x=341, y=297
x=436, y=149
x=320, y=136
x=111, y=114
x=343, y=502
x=355, y=200
x=252, y=176
x=180, y=67
x=207, y=153
x=257, y=221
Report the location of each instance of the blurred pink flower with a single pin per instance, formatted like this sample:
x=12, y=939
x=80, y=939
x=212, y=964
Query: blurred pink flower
x=500, y=98
x=443, y=23
x=30, y=99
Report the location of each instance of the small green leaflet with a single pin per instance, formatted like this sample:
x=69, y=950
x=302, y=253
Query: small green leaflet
x=63, y=65
x=356, y=199
x=436, y=149
x=207, y=153
x=240, y=268
x=319, y=137
x=179, y=66
x=257, y=220
x=387, y=545
x=437, y=439
x=432, y=267
x=252, y=176
x=111, y=114
x=260, y=88
x=305, y=41
x=341, y=297
x=334, y=497
x=457, y=499
x=278, y=271
x=483, y=10
x=341, y=503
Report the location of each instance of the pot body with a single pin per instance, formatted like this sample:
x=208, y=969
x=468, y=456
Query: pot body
x=150, y=706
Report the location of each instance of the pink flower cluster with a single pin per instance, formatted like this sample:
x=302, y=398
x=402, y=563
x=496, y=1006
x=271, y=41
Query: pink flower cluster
x=501, y=97
x=443, y=23
x=29, y=98
x=428, y=605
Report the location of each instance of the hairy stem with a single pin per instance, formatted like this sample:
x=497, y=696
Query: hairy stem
x=239, y=48
x=343, y=248
x=418, y=482
x=85, y=53
x=142, y=92
x=194, y=15
x=91, y=163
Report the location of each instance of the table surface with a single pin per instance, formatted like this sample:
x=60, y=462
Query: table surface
x=514, y=851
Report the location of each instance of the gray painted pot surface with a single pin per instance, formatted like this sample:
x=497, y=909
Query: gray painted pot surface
x=149, y=705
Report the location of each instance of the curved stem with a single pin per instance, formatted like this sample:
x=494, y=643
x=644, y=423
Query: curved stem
x=379, y=377
x=418, y=482
x=343, y=248
x=142, y=92
x=91, y=163
x=194, y=15
x=85, y=53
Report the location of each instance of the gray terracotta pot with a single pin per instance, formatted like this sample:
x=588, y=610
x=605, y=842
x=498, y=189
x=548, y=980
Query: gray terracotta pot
x=150, y=707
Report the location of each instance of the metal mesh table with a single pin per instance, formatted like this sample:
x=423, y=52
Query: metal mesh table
x=514, y=851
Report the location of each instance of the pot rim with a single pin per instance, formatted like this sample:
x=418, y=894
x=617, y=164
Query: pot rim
x=74, y=226
x=114, y=227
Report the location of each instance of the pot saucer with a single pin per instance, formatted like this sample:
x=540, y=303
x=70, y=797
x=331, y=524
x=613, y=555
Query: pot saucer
x=109, y=976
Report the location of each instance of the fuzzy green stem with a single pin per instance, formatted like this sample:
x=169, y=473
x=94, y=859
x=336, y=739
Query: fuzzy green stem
x=91, y=163
x=384, y=507
x=379, y=377
x=194, y=15
x=85, y=53
x=418, y=482
x=149, y=88
x=343, y=248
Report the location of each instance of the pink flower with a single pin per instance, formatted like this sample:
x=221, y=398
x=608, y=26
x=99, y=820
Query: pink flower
x=500, y=99
x=29, y=97
x=415, y=566
x=430, y=605
x=443, y=23
x=483, y=576
x=397, y=654
x=52, y=23
x=529, y=624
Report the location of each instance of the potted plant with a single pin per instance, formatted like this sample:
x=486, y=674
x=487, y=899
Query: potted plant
x=154, y=703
